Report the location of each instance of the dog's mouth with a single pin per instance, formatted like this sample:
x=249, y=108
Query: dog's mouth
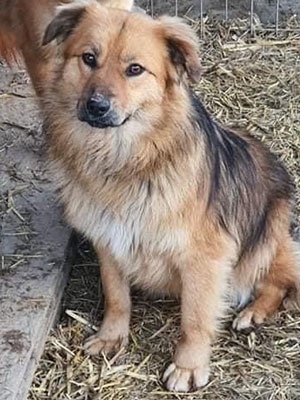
x=109, y=120
x=102, y=124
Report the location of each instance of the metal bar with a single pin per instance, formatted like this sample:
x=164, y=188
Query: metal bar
x=251, y=16
x=277, y=17
x=152, y=8
x=201, y=19
x=176, y=8
x=226, y=10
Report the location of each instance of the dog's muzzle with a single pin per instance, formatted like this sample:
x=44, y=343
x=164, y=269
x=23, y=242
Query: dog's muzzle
x=98, y=106
x=98, y=112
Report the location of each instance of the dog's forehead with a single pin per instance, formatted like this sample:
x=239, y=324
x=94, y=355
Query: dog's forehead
x=137, y=35
x=117, y=27
x=100, y=22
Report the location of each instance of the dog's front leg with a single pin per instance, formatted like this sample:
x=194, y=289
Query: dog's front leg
x=201, y=302
x=113, y=332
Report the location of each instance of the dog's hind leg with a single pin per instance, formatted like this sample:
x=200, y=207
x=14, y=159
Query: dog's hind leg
x=114, y=330
x=270, y=291
x=292, y=301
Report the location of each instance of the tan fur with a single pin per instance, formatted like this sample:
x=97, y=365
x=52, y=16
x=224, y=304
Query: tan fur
x=140, y=191
x=115, y=325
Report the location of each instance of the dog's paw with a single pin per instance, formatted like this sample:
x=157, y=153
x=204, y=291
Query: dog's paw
x=247, y=318
x=184, y=380
x=99, y=343
x=96, y=344
x=111, y=336
x=291, y=304
x=292, y=301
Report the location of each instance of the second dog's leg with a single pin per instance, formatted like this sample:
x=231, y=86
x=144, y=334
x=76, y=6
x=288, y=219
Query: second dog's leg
x=113, y=332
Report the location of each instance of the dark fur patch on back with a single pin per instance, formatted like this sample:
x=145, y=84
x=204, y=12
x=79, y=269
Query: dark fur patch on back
x=241, y=194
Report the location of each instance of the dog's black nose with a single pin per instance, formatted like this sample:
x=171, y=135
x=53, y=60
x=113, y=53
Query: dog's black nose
x=98, y=105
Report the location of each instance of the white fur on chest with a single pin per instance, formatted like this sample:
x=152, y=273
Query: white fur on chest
x=124, y=232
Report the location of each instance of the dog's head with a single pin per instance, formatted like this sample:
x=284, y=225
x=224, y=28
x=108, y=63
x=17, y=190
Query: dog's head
x=119, y=67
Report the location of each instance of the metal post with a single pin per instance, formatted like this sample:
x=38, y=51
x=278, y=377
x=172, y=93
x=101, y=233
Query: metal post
x=226, y=10
x=201, y=19
x=152, y=8
x=176, y=8
x=251, y=16
x=277, y=17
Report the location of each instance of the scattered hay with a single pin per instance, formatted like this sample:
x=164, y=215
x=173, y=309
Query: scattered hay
x=253, y=83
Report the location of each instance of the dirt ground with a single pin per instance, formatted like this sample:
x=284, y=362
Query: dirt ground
x=253, y=83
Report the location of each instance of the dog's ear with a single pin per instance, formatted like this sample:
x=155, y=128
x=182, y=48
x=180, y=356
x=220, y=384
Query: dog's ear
x=64, y=22
x=182, y=43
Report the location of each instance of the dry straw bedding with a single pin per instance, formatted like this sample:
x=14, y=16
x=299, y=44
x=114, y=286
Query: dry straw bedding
x=254, y=83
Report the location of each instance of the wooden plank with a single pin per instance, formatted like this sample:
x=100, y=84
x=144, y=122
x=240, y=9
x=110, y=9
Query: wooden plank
x=33, y=242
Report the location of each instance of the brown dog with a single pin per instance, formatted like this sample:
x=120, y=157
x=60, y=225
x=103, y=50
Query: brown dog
x=22, y=27
x=172, y=201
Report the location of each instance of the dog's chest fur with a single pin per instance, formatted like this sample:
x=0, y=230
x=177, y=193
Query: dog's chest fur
x=141, y=230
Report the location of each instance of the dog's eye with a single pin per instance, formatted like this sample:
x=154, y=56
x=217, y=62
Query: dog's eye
x=134, y=70
x=89, y=59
